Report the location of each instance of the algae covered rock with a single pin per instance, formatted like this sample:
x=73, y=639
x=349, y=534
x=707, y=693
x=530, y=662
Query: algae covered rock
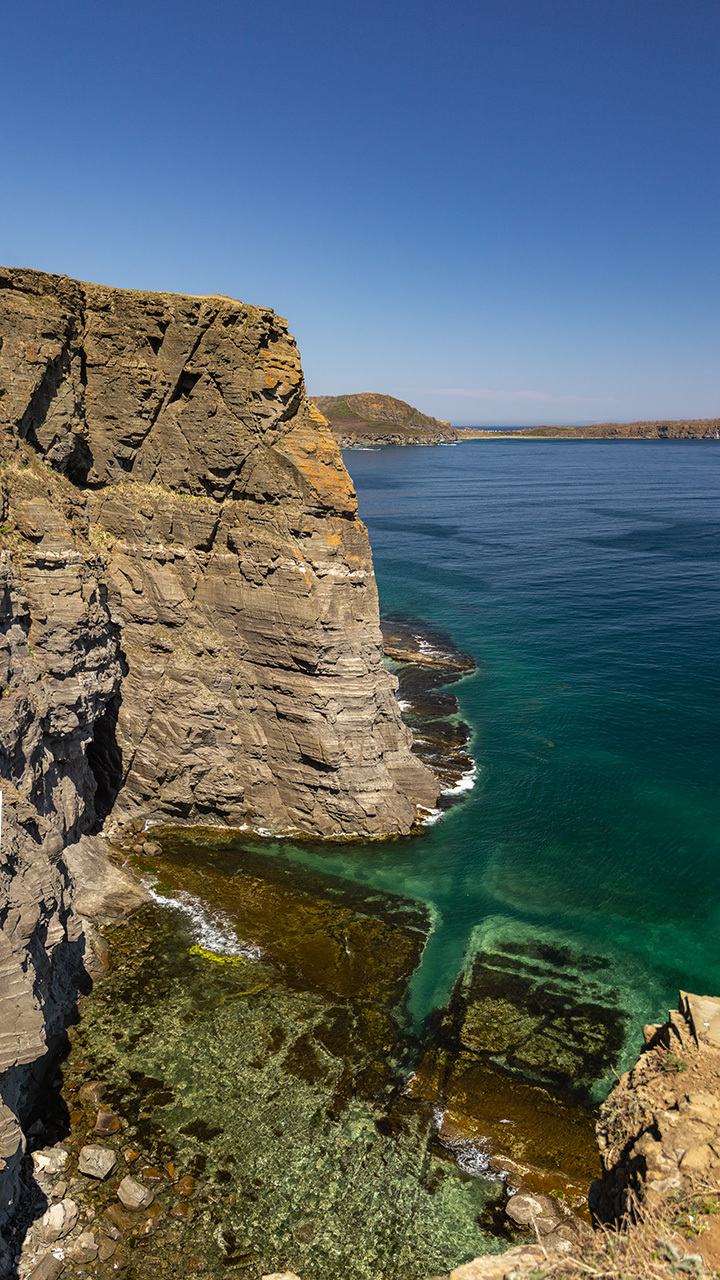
x=266, y=1074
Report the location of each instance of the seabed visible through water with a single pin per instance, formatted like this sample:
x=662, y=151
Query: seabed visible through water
x=255, y=1034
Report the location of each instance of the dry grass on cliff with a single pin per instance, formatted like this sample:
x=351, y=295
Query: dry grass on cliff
x=679, y=1238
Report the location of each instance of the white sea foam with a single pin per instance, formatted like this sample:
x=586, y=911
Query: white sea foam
x=465, y=783
x=425, y=647
x=403, y=704
x=211, y=929
x=431, y=816
x=472, y=1156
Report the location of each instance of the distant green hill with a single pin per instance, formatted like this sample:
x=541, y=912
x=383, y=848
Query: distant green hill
x=369, y=418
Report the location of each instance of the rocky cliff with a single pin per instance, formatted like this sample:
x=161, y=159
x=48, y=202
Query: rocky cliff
x=369, y=419
x=238, y=576
x=188, y=616
x=60, y=667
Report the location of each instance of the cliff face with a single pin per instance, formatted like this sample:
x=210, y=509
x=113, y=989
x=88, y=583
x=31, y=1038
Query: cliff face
x=238, y=572
x=60, y=665
x=659, y=1130
x=371, y=419
x=188, y=617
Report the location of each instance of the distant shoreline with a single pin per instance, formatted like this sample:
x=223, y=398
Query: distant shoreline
x=500, y=435
x=661, y=429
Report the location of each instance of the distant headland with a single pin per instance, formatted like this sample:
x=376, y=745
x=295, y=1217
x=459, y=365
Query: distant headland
x=369, y=419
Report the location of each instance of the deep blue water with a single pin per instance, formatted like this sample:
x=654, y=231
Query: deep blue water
x=584, y=579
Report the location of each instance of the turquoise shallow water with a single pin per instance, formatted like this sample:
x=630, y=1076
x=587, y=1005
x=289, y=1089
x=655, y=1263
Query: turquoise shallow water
x=583, y=577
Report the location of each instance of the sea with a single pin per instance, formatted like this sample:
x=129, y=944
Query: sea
x=583, y=578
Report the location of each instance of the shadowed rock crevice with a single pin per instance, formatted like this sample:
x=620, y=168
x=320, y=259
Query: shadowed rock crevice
x=105, y=759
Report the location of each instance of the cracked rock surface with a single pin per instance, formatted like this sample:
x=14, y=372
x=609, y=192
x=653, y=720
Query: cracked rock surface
x=659, y=1129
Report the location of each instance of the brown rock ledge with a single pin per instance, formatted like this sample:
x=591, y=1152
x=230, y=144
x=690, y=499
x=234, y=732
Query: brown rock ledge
x=426, y=662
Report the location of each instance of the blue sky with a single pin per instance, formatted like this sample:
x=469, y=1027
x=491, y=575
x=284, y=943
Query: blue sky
x=502, y=211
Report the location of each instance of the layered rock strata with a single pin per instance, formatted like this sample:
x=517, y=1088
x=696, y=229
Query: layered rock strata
x=188, y=617
x=60, y=666
x=236, y=566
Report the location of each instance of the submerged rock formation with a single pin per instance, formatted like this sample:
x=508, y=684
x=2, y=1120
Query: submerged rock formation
x=189, y=624
x=658, y=1135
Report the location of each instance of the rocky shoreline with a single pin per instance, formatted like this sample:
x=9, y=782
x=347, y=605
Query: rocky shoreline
x=102, y=1194
x=189, y=625
x=426, y=664
x=658, y=1135
x=110, y=1195
x=190, y=638
x=461, y=1107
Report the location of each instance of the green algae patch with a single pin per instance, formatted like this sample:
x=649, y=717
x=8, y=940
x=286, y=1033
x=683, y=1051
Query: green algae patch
x=534, y=1003
x=532, y=1025
x=197, y=950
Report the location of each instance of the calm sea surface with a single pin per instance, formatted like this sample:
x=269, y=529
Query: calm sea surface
x=584, y=579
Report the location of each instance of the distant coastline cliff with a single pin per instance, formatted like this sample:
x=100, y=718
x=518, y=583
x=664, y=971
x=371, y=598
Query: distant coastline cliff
x=675, y=429
x=369, y=419
x=189, y=627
